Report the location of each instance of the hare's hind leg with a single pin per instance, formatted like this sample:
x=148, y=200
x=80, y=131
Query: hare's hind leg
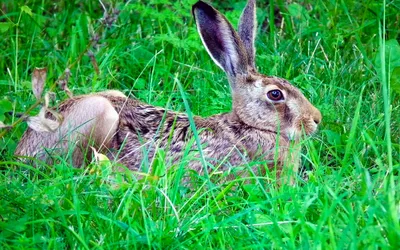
x=96, y=121
x=89, y=119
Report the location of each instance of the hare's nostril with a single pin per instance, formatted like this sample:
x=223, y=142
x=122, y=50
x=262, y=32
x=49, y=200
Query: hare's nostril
x=317, y=121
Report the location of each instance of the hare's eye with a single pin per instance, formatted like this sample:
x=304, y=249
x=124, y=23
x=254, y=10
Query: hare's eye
x=275, y=95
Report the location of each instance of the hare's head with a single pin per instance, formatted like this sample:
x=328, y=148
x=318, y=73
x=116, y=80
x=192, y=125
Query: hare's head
x=266, y=103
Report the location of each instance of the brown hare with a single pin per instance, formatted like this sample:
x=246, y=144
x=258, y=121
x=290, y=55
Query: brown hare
x=268, y=114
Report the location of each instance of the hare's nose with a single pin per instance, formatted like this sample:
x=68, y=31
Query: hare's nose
x=317, y=116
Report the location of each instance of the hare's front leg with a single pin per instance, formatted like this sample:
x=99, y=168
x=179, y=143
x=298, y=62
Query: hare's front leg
x=86, y=119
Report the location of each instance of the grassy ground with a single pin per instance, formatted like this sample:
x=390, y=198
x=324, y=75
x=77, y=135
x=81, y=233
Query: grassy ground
x=344, y=55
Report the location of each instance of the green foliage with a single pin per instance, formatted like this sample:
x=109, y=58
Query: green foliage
x=331, y=50
x=392, y=63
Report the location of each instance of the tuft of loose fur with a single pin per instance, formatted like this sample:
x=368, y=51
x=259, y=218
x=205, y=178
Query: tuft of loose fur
x=268, y=113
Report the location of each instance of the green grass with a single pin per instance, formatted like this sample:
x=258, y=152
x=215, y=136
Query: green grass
x=343, y=55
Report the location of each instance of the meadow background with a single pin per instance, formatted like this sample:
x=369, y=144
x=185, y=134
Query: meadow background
x=344, y=56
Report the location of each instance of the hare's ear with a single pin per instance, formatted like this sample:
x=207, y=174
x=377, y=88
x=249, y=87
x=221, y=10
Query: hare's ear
x=247, y=30
x=220, y=39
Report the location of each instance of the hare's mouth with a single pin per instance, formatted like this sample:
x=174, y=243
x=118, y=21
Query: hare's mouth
x=311, y=128
x=295, y=134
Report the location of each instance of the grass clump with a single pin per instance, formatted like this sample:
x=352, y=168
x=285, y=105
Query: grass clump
x=343, y=55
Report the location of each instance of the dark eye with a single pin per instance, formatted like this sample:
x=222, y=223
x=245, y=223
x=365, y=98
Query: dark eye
x=275, y=95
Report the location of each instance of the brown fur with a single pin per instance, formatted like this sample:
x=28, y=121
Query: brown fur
x=131, y=131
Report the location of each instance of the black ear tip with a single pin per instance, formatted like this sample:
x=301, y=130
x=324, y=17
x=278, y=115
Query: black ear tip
x=205, y=8
x=200, y=4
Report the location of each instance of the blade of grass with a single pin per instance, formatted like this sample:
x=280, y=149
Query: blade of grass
x=352, y=135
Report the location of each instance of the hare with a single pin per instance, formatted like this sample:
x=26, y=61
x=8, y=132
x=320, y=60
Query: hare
x=268, y=114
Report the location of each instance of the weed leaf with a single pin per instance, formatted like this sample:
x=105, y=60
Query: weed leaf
x=26, y=10
x=392, y=62
x=5, y=106
x=38, y=80
x=40, y=123
x=299, y=12
x=5, y=26
x=395, y=80
x=63, y=83
x=99, y=157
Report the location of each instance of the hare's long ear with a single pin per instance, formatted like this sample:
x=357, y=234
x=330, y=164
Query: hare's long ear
x=220, y=39
x=247, y=30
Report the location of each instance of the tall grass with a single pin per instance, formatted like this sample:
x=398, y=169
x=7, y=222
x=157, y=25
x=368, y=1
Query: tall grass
x=343, y=55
